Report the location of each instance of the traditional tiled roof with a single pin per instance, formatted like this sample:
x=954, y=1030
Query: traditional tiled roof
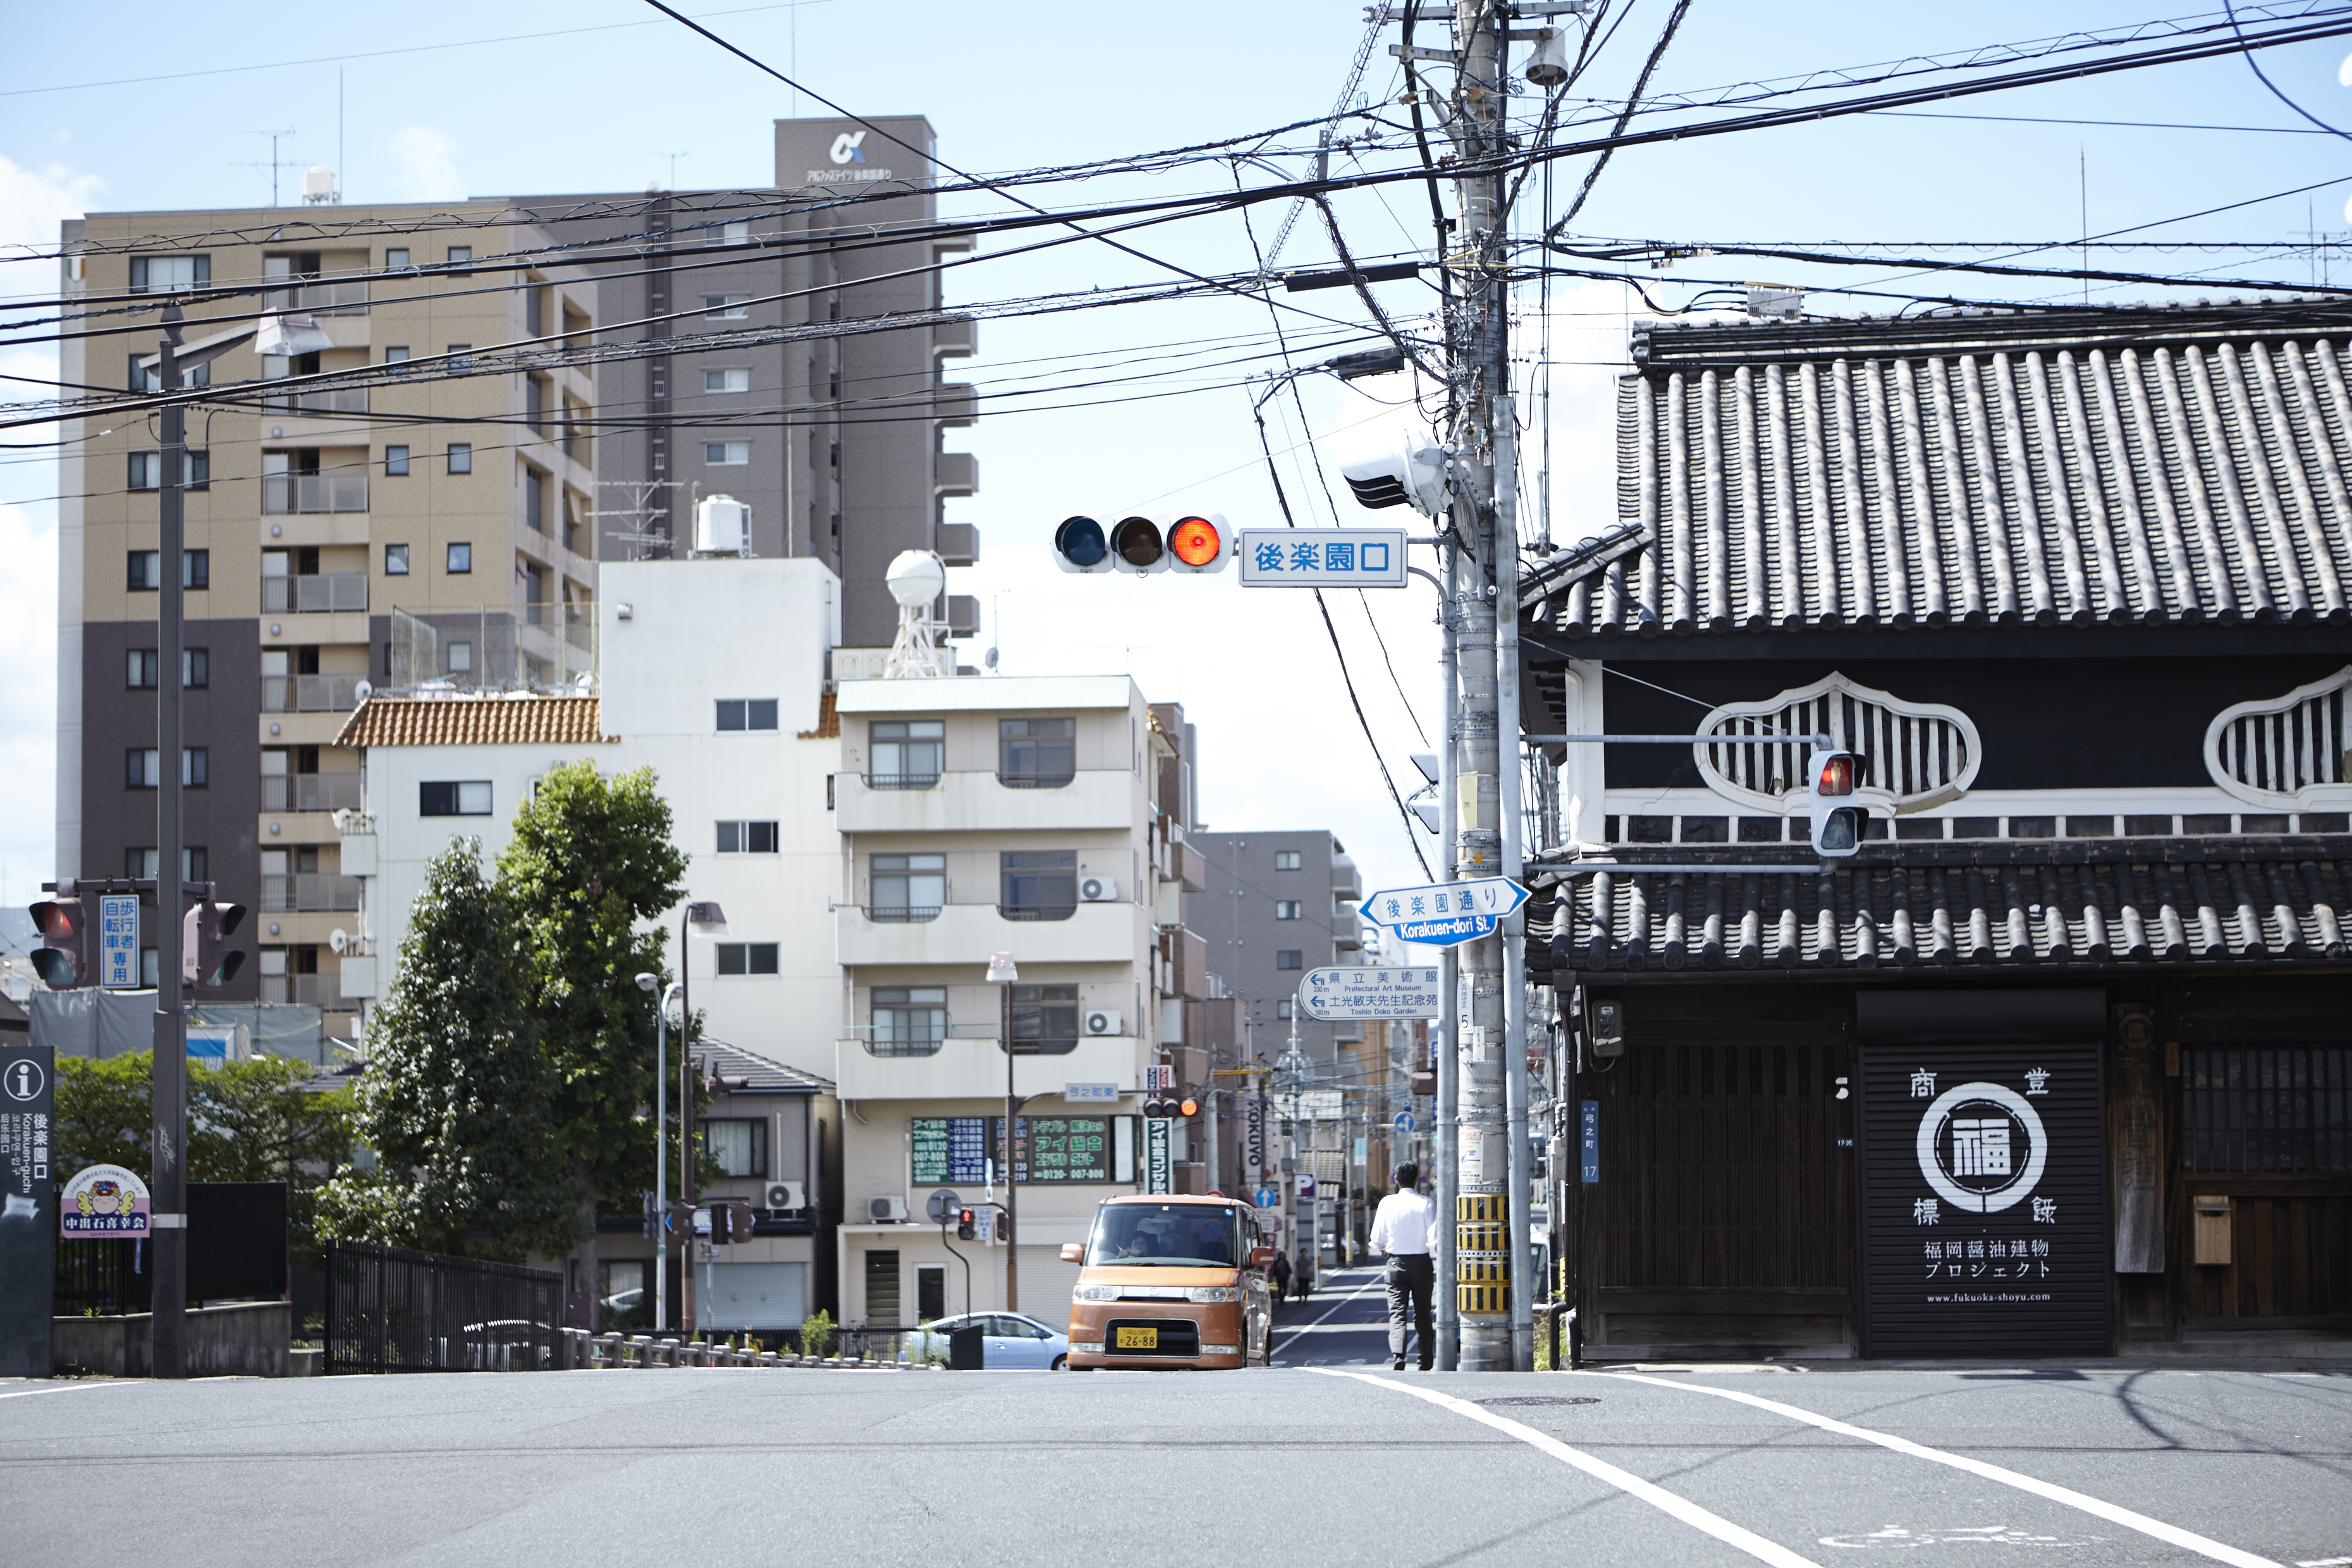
x=474, y=721
x=2083, y=466
x=766, y=1076
x=2111, y=904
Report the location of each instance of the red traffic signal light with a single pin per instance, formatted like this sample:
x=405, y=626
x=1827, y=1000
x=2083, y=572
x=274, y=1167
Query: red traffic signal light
x=1137, y=543
x=965, y=1223
x=1198, y=543
x=62, y=961
x=1189, y=1107
x=1836, y=828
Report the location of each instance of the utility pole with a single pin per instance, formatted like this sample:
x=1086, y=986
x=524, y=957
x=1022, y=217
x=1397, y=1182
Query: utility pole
x=1445, y=1108
x=169, y=1094
x=1482, y=413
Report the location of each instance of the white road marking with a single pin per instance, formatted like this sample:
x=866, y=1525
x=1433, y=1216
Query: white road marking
x=1293, y=1336
x=2325, y=1563
x=1657, y=1497
x=60, y=1388
x=2113, y=1513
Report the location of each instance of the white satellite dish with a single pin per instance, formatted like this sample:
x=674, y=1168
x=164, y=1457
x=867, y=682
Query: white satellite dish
x=917, y=577
x=339, y=939
x=363, y=690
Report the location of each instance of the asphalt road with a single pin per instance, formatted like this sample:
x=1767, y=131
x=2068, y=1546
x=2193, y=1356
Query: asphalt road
x=1333, y=1466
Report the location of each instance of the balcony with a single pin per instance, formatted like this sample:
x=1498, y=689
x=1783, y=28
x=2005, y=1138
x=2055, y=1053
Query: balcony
x=319, y=593
x=969, y=933
x=310, y=792
x=983, y=801
x=974, y=1070
x=349, y=298
x=296, y=495
x=310, y=693
x=320, y=402
x=308, y=892
x=312, y=990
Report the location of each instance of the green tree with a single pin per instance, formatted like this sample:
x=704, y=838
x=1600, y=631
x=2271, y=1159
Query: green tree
x=458, y=1100
x=589, y=869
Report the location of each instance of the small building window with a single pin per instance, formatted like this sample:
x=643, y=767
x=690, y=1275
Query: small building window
x=1288, y=958
x=749, y=958
x=908, y=1020
x=1036, y=754
x=461, y=456
x=145, y=667
x=737, y=232
x=908, y=753
x=395, y=358
x=1286, y=859
x=726, y=381
x=461, y=558
x=747, y=838
x=396, y=258
x=169, y=274
x=395, y=462
x=468, y=798
x=195, y=668
x=459, y=254
x=1286, y=909
x=727, y=307
x=1045, y=1020
x=396, y=560
x=747, y=713
x=908, y=889
x=727, y=454
x=735, y=1147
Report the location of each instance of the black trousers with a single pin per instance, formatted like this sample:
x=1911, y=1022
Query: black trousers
x=1410, y=1278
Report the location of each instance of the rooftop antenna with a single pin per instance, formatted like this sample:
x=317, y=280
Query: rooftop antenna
x=915, y=579
x=673, y=157
x=274, y=164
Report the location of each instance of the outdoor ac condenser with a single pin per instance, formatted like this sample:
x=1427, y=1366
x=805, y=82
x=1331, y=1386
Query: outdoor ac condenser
x=1102, y=1021
x=886, y=1211
x=784, y=1195
x=1097, y=890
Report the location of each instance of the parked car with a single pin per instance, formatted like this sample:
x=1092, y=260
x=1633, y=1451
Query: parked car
x=1008, y=1341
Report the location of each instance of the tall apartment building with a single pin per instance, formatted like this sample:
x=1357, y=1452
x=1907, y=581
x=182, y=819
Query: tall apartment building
x=835, y=441
x=1274, y=906
x=310, y=518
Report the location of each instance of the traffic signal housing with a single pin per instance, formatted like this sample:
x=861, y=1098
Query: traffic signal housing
x=1160, y=1108
x=62, y=961
x=1138, y=543
x=966, y=1224
x=207, y=961
x=1836, y=820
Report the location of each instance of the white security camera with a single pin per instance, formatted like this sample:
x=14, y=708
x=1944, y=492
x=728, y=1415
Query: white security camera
x=1409, y=469
x=648, y=982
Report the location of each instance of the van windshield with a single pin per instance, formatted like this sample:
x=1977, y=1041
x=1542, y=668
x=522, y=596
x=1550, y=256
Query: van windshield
x=1183, y=1236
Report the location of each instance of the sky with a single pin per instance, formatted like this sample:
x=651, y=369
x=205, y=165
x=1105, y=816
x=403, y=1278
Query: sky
x=603, y=95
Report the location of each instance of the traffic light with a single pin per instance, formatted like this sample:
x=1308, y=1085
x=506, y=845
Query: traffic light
x=62, y=961
x=1003, y=1228
x=1157, y=1109
x=1137, y=543
x=205, y=958
x=1836, y=822
x=1188, y=1106
x=965, y=1222
x=732, y=1221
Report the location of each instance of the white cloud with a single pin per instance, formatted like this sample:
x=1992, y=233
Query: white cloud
x=424, y=165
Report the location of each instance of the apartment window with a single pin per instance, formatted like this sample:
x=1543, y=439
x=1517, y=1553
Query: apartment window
x=458, y=659
x=1036, y=754
x=459, y=254
x=195, y=668
x=727, y=307
x=396, y=356
x=534, y=500
x=735, y=1148
x=736, y=233
x=461, y=456
x=1283, y=1009
x=1288, y=958
x=396, y=258
x=146, y=665
x=147, y=373
x=726, y=381
x=727, y=454
x=908, y=1020
x=460, y=559
x=534, y=314
x=747, y=838
x=461, y=358
x=535, y=399
x=396, y=560
x=465, y=797
x=1286, y=909
x=395, y=462
x=147, y=470
x=1286, y=859
x=139, y=771
x=1038, y=884
x=747, y=713
x=749, y=958
x=146, y=669
x=195, y=569
x=908, y=887
x=169, y=274
x=145, y=571
x=1045, y=1020
x=907, y=754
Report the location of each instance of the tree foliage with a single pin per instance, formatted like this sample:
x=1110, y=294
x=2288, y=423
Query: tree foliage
x=458, y=1100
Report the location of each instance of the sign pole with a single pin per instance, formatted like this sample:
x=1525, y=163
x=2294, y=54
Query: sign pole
x=27, y=1249
x=1002, y=971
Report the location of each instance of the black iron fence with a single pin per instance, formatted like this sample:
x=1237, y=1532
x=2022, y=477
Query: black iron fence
x=237, y=1252
x=389, y=1310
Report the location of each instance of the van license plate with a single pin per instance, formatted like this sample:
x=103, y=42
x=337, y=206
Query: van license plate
x=1138, y=1338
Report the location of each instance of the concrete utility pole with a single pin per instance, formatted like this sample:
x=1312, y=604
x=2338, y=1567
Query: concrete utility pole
x=1445, y=1109
x=169, y=1093
x=1487, y=1214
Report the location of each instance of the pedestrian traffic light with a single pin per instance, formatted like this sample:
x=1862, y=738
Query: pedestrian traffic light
x=965, y=1223
x=1137, y=544
x=732, y=1221
x=1836, y=822
x=1003, y=1228
x=206, y=960
x=62, y=961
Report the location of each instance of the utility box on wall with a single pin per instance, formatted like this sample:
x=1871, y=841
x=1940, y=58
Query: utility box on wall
x=2213, y=1232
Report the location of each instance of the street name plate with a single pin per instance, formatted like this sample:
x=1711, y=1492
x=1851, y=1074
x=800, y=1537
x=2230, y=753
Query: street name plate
x=1445, y=915
x=1322, y=557
x=1365, y=991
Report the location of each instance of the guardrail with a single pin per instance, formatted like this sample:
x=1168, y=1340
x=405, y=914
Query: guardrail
x=310, y=693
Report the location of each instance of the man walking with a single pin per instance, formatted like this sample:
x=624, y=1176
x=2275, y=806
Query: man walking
x=1401, y=1229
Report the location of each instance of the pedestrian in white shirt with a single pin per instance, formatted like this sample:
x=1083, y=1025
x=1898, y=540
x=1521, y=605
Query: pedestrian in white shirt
x=1402, y=1230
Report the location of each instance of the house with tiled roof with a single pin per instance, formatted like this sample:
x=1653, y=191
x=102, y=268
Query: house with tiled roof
x=2061, y=1059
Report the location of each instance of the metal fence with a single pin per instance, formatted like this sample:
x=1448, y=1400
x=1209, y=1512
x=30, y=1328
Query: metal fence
x=389, y=1310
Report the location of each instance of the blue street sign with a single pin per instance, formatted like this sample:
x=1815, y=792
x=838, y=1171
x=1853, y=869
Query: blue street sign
x=1591, y=1158
x=1321, y=557
x=1445, y=915
x=1404, y=1122
x=118, y=937
x=1267, y=1197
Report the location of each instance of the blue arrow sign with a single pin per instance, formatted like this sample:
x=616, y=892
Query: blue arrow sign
x=1404, y=1122
x=1267, y=1197
x=1445, y=915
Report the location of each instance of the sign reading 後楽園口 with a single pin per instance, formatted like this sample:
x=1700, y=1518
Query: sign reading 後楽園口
x=1984, y=1199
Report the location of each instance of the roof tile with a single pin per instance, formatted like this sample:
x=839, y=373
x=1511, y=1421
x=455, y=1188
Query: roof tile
x=474, y=721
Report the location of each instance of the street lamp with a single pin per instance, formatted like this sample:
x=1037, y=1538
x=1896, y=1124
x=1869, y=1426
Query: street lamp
x=648, y=982
x=708, y=917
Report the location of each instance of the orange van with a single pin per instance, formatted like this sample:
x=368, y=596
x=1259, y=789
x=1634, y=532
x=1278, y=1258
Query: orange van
x=1169, y=1281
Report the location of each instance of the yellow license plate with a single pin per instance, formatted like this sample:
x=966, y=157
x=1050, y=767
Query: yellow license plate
x=1138, y=1338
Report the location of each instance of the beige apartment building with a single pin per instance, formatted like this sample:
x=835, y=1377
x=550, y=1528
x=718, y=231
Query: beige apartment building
x=333, y=538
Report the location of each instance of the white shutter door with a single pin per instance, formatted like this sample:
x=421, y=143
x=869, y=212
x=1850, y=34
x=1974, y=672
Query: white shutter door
x=756, y=1296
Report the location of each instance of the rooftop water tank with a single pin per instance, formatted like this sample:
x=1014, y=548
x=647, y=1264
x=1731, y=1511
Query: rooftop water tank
x=721, y=526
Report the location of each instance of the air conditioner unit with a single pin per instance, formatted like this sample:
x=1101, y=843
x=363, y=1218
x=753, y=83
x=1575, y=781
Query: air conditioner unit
x=1097, y=890
x=1102, y=1021
x=783, y=1195
x=886, y=1211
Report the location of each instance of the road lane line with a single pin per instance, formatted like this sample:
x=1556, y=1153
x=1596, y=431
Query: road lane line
x=1657, y=1497
x=1273, y=1351
x=2113, y=1512
x=60, y=1388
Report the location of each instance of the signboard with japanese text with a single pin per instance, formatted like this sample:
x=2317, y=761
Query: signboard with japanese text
x=1048, y=1149
x=1588, y=1141
x=949, y=1149
x=1984, y=1199
x=1252, y=1138
x=1321, y=557
x=1091, y=1093
x=1372, y=991
x=1445, y=915
x=118, y=941
x=1158, y=1154
x=105, y=1202
x=27, y=1200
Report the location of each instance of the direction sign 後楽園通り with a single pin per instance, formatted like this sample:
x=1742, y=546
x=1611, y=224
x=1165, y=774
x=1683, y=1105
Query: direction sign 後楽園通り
x=1445, y=915
x=1366, y=990
x=1321, y=557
